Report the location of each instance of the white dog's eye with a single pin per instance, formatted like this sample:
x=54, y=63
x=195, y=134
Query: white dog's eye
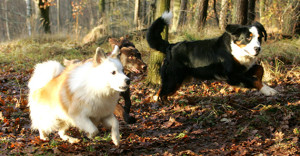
x=114, y=72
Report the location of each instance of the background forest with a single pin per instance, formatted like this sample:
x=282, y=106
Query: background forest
x=21, y=18
x=204, y=117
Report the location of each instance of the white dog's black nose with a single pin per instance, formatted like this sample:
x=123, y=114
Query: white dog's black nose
x=257, y=50
x=127, y=81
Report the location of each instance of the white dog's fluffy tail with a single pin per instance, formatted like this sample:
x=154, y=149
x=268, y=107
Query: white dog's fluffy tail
x=43, y=73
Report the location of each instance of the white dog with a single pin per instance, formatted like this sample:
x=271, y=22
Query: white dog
x=83, y=95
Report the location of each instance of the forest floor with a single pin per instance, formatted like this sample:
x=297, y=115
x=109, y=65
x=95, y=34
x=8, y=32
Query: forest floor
x=204, y=118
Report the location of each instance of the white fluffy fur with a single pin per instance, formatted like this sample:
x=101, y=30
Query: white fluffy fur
x=167, y=16
x=82, y=97
x=44, y=72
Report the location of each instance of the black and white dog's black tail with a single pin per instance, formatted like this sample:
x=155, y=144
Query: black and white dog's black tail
x=154, y=37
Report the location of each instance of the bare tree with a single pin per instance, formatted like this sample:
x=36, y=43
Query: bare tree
x=182, y=14
x=136, y=13
x=202, y=14
x=58, y=15
x=251, y=11
x=42, y=11
x=6, y=18
x=241, y=11
x=176, y=12
x=223, y=14
x=156, y=57
x=28, y=16
x=215, y=11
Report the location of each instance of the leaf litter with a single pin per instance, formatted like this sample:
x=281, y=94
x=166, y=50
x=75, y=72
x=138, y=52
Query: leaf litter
x=204, y=118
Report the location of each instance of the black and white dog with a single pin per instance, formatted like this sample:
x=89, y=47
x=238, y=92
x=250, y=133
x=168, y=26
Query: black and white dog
x=231, y=57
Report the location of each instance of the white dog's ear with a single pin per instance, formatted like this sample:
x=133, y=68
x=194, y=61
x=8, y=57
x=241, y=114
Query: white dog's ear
x=115, y=52
x=99, y=56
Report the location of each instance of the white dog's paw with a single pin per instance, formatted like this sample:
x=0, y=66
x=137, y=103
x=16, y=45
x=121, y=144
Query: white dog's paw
x=44, y=138
x=268, y=91
x=91, y=135
x=116, y=140
x=73, y=140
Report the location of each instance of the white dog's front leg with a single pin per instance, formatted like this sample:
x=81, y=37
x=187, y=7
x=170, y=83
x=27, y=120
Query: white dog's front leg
x=113, y=123
x=85, y=123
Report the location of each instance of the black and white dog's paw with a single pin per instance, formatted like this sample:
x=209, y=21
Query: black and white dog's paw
x=268, y=91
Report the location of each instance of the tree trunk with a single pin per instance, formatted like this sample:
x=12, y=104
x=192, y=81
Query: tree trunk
x=101, y=8
x=223, y=14
x=182, y=14
x=156, y=57
x=6, y=20
x=136, y=13
x=58, y=15
x=28, y=16
x=241, y=11
x=251, y=11
x=290, y=18
x=90, y=9
x=43, y=18
x=176, y=11
x=215, y=11
x=202, y=14
x=262, y=10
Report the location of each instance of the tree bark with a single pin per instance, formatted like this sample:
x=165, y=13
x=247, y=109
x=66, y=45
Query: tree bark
x=216, y=13
x=136, y=13
x=262, y=10
x=202, y=14
x=241, y=11
x=251, y=11
x=58, y=15
x=6, y=22
x=43, y=18
x=223, y=14
x=176, y=12
x=182, y=14
x=156, y=57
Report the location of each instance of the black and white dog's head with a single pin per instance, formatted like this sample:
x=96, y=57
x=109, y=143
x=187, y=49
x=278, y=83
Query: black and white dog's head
x=246, y=41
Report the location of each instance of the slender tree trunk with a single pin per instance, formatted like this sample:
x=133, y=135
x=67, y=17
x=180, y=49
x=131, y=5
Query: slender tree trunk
x=156, y=57
x=202, y=14
x=183, y=14
x=152, y=9
x=223, y=14
x=6, y=20
x=58, y=15
x=215, y=11
x=136, y=13
x=176, y=12
x=251, y=11
x=43, y=18
x=262, y=10
x=90, y=9
x=28, y=16
x=242, y=11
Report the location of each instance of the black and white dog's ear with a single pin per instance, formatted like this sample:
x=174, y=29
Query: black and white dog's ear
x=232, y=28
x=261, y=28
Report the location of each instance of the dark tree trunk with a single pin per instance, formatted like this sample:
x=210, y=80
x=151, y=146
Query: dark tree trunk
x=251, y=11
x=156, y=57
x=182, y=14
x=43, y=11
x=202, y=14
x=241, y=11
